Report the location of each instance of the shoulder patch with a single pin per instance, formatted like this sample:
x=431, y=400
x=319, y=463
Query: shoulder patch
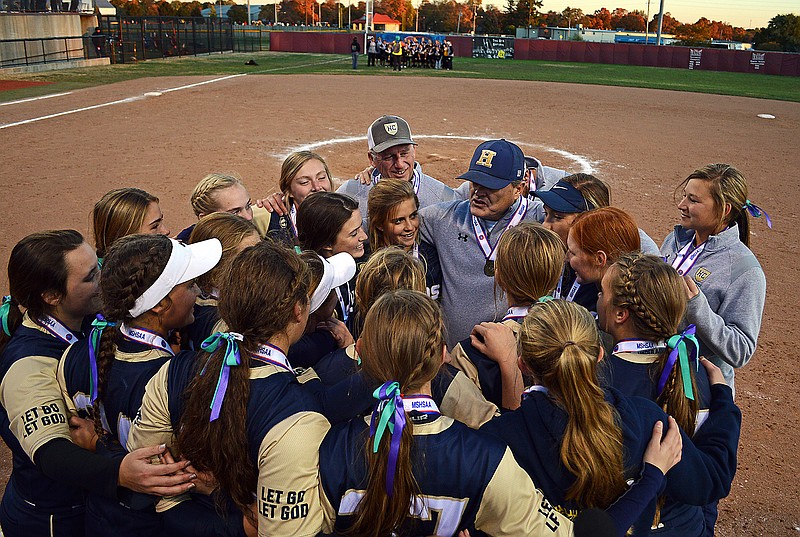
x=701, y=274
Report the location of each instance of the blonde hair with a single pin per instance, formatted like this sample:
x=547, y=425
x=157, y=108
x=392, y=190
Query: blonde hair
x=119, y=213
x=594, y=191
x=728, y=186
x=402, y=341
x=231, y=230
x=559, y=343
x=387, y=270
x=291, y=166
x=202, y=198
x=381, y=203
x=652, y=291
x=529, y=262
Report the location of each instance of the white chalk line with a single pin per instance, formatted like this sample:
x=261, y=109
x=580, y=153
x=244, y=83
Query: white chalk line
x=140, y=97
x=586, y=165
x=30, y=99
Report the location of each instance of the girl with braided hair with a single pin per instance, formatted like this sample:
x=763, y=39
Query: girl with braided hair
x=238, y=412
x=413, y=471
x=724, y=282
x=147, y=290
x=580, y=442
x=54, y=276
x=641, y=304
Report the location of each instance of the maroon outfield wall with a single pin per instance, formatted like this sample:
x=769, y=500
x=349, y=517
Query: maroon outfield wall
x=706, y=59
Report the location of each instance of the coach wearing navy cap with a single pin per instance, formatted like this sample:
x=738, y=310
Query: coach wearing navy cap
x=465, y=235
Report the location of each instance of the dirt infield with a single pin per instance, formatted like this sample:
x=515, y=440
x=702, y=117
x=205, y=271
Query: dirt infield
x=642, y=142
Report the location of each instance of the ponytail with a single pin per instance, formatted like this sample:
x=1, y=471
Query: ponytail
x=10, y=318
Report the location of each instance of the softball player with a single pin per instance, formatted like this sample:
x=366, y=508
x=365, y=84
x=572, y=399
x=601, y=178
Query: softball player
x=148, y=290
x=394, y=221
x=122, y=212
x=724, y=281
x=580, y=442
x=235, y=234
x=248, y=393
x=54, y=276
x=529, y=263
x=411, y=470
x=302, y=173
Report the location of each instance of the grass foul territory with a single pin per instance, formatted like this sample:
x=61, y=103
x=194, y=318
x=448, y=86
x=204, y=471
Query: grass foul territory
x=723, y=83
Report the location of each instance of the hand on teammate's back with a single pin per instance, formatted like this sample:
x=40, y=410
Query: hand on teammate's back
x=664, y=451
x=339, y=332
x=139, y=474
x=273, y=204
x=497, y=342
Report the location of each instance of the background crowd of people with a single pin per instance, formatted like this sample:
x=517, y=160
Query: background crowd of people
x=415, y=52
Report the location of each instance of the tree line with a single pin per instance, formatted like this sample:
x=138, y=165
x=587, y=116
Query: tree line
x=449, y=16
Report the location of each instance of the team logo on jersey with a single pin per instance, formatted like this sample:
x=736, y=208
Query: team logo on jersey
x=701, y=275
x=462, y=237
x=391, y=128
x=486, y=158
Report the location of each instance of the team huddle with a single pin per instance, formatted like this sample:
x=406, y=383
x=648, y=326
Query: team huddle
x=514, y=356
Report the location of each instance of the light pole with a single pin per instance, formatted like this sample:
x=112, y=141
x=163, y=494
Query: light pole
x=660, y=22
x=458, y=26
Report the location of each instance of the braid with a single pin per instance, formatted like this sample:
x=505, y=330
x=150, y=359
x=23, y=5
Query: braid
x=105, y=359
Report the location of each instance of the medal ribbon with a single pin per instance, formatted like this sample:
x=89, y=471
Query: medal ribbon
x=639, y=346
x=146, y=337
x=420, y=403
x=687, y=255
x=516, y=312
x=56, y=329
x=389, y=414
x=5, y=308
x=232, y=358
x=680, y=352
x=293, y=218
x=270, y=354
x=98, y=325
x=488, y=251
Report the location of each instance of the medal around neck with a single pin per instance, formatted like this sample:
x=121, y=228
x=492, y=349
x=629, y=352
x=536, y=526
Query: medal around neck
x=488, y=268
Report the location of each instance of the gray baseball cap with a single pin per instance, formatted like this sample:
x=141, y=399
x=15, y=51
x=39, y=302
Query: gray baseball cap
x=388, y=131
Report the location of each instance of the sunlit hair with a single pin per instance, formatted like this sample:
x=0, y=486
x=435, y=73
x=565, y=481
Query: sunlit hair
x=402, y=341
x=529, y=262
x=559, y=343
x=728, y=186
x=593, y=190
x=258, y=295
x=291, y=166
x=231, y=230
x=37, y=265
x=204, y=194
x=119, y=213
x=384, y=199
x=323, y=216
x=608, y=229
x=653, y=292
x=132, y=265
x=387, y=270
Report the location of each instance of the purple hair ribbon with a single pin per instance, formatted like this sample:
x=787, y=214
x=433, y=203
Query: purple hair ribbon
x=98, y=325
x=232, y=358
x=388, y=414
x=680, y=352
x=756, y=211
x=5, y=308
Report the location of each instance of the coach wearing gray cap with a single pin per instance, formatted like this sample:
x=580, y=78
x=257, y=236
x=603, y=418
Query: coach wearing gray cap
x=465, y=235
x=392, y=154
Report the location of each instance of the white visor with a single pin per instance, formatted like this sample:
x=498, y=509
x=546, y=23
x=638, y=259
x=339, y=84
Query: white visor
x=338, y=270
x=186, y=262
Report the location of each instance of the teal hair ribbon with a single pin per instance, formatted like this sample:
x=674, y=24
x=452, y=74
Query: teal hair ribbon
x=545, y=298
x=681, y=353
x=5, y=308
x=756, y=211
x=388, y=414
x=232, y=358
x=98, y=325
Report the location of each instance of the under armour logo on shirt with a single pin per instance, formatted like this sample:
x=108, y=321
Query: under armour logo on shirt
x=462, y=237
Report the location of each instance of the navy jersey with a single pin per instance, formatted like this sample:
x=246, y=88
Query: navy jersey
x=206, y=317
x=433, y=270
x=32, y=413
x=311, y=348
x=586, y=294
x=282, y=231
x=467, y=479
x=535, y=432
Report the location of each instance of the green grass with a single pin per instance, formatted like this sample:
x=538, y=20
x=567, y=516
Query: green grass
x=723, y=83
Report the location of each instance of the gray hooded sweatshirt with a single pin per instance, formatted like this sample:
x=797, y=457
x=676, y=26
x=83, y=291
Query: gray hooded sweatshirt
x=728, y=309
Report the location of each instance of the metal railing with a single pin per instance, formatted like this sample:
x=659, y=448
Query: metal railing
x=31, y=51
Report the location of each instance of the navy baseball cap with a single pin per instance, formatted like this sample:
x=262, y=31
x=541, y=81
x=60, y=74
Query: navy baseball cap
x=496, y=164
x=563, y=198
